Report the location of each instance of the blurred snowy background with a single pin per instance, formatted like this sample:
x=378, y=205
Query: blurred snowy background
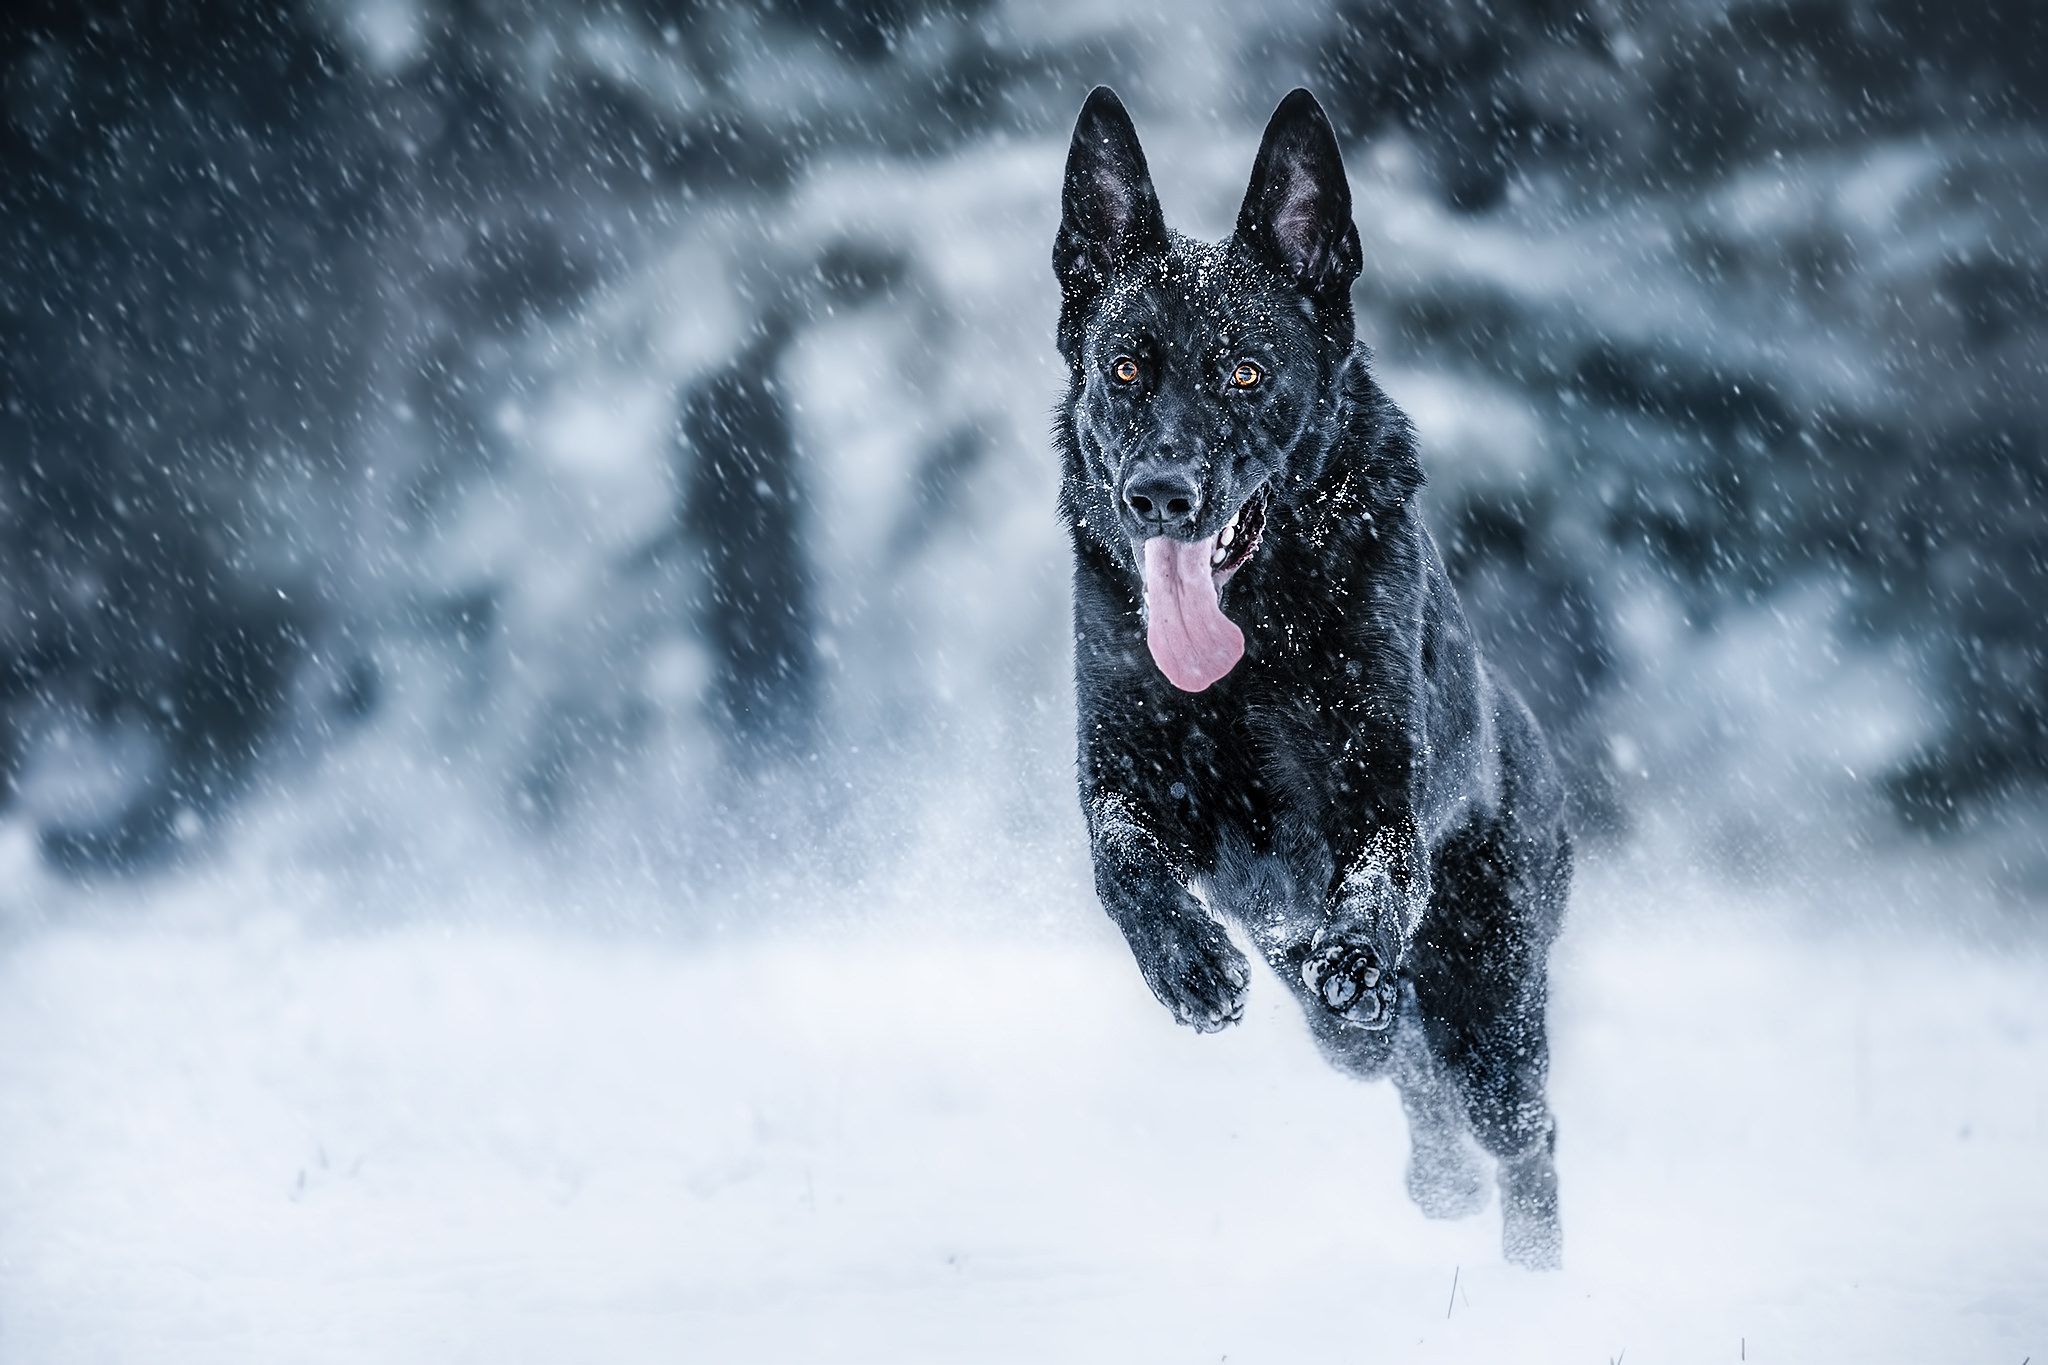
x=472, y=470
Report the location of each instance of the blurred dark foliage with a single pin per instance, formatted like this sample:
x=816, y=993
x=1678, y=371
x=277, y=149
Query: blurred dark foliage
x=745, y=503
x=219, y=223
x=223, y=252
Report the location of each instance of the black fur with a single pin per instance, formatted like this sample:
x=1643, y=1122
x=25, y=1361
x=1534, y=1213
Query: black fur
x=1361, y=795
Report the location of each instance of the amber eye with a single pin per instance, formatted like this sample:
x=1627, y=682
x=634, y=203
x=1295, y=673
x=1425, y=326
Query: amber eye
x=1246, y=375
x=1125, y=370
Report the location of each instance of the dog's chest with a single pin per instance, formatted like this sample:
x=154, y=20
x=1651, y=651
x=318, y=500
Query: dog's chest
x=1265, y=831
x=1247, y=775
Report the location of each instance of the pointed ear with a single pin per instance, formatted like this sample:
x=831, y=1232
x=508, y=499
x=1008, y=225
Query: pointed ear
x=1297, y=211
x=1108, y=210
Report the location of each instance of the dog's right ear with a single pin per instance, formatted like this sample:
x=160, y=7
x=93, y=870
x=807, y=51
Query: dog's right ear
x=1108, y=210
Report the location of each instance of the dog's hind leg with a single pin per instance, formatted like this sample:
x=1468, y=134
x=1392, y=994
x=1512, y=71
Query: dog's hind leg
x=1530, y=1234
x=1498, y=1064
x=1444, y=1176
x=1481, y=981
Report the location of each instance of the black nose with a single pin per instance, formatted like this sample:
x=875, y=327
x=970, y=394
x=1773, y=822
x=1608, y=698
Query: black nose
x=1164, y=499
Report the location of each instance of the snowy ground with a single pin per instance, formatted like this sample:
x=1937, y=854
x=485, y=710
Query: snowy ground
x=446, y=1144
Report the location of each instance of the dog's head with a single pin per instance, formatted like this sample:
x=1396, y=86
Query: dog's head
x=1203, y=374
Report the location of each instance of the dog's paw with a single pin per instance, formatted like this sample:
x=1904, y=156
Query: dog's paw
x=1199, y=974
x=1530, y=1235
x=1445, y=1179
x=1351, y=969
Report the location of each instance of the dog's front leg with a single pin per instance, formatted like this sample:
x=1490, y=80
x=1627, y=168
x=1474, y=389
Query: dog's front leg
x=1355, y=959
x=1183, y=953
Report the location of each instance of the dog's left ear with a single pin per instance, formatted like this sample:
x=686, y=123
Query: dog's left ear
x=1297, y=211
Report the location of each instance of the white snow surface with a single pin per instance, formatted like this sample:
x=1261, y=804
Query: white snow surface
x=928, y=1135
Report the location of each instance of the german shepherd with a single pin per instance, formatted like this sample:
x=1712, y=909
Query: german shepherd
x=1282, y=709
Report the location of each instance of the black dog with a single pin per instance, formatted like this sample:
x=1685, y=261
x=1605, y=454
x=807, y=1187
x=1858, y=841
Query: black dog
x=1331, y=763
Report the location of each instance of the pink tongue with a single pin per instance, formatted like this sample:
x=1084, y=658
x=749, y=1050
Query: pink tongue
x=1192, y=641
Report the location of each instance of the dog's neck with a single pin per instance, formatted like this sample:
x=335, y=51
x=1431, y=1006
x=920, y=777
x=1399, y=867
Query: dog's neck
x=1366, y=466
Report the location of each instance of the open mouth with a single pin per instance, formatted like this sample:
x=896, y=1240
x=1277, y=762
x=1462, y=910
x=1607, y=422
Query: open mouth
x=1192, y=641
x=1239, y=539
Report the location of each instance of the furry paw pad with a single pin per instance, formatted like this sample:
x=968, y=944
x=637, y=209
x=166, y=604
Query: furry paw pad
x=1354, y=980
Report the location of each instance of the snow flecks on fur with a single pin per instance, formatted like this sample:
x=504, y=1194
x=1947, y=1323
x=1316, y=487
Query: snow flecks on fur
x=1386, y=874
